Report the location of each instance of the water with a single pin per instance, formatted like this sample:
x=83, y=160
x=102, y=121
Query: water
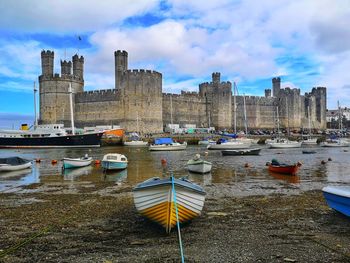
x=144, y=164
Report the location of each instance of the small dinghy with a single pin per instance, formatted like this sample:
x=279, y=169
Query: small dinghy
x=309, y=152
x=14, y=164
x=254, y=151
x=69, y=163
x=160, y=199
x=198, y=165
x=283, y=168
x=338, y=198
x=114, y=161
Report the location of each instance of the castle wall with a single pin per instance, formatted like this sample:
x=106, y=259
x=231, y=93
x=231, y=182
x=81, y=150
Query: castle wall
x=184, y=108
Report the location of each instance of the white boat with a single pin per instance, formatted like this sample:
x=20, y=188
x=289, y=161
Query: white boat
x=167, y=144
x=206, y=142
x=229, y=145
x=198, y=165
x=336, y=143
x=155, y=199
x=284, y=143
x=136, y=143
x=114, y=161
x=14, y=164
x=338, y=198
x=69, y=163
x=309, y=141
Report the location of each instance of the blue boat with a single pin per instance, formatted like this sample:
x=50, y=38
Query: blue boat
x=338, y=198
x=114, y=161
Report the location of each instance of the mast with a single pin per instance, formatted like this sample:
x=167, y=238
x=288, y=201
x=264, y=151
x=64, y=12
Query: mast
x=171, y=110
x=71, y=107
x=235, y=108
x=340, y=117
x=35, y=116
x=288, y=132
x=278, y=123
x=308, y=114
x=245, y=116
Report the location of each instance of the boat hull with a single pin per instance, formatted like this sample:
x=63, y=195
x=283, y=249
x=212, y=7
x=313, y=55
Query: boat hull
x=84, y=140
x=285, y=169
x=338, y=198
x=241, y=152
x=200, y=167
x=229, y=146
x=136, y=143
x=154, y=199
x=108, y=165
x=279, y=145
x=69, y=163
x=9, y=168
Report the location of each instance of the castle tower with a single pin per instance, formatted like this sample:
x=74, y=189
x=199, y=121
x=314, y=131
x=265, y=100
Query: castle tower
x=78, y=66
x=216, y=77
x=66, y=67
x=121, y=65
x=47, y=59
x=276, y=86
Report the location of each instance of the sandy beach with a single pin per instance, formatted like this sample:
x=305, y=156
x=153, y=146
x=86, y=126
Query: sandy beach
x=83, y=222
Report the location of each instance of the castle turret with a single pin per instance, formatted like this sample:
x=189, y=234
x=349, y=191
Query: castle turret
x=216, y=77
x=121, y=65
x=78, y=66
x=47, y=61
x=276, y=86
x=267, y=93
x=66, y=67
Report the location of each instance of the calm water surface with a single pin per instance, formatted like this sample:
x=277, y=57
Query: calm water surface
x=144, y=164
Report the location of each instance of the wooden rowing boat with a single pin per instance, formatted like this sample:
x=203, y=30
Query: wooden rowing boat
x=154, y=199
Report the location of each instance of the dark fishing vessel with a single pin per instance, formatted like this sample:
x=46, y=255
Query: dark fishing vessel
x=48, y=136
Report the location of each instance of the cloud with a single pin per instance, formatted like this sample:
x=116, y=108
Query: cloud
x=68, y=16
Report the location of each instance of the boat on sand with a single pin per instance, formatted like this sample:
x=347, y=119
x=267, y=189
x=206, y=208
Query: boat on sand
x=69, y=163
x=338, y=198
x=198, y=165
x=283, y=168
x=14, y=164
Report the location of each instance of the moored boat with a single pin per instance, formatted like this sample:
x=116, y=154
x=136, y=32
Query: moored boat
x=167, y=144
x=336, y=143
x=155, y=199
x=284, y=143
x=136, y=143
x=253, y=151
x=308, y=152
x=224, y=144
x=206, y=142
x=198, y=165
x=48, y=136
x=14, y=164
x=277, y=167
x=338, y=198
x=69, y=163
x=114, y=161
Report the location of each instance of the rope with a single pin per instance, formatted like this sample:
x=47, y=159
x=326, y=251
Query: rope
x=177, y=220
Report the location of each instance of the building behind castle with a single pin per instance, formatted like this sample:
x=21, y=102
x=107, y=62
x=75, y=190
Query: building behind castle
x=138, y=99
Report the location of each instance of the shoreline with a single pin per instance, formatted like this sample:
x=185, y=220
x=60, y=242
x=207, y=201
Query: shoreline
x=100, y=224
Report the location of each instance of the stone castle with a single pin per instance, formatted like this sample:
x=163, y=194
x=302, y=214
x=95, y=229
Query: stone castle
x=137, y=101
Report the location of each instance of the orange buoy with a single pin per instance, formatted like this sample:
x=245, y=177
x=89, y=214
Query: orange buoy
x=54, y=161
x=97, y=162
x=323, y=162
x=37, y=160
x=163, y=161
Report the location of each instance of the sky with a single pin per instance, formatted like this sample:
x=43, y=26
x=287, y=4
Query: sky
x=306, y=43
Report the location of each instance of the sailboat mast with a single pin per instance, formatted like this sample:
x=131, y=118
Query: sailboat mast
x=171, y=110
x=235, y=108
x=35, y=116
x=339, y=117
x=288, y=132
x=245, y=116
x=278, y=123
x=308, y=114
x=71, y=107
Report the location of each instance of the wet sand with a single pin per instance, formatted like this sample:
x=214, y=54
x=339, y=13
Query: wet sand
x=84, y=222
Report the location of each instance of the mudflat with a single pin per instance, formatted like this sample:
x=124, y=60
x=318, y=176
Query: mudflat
x=81, y=222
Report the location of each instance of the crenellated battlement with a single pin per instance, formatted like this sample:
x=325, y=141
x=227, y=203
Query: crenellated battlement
x=97, y=96
x=143, y=72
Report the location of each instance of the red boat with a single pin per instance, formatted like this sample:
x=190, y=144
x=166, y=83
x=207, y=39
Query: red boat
x=284, y=168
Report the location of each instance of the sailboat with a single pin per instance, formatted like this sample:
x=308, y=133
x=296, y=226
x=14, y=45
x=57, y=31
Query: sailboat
x=135, y=139
x=283, y=142
x=309, y=140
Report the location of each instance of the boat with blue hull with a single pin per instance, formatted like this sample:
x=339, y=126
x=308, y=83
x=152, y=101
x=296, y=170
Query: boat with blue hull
x=338, y=198
x=114, y=161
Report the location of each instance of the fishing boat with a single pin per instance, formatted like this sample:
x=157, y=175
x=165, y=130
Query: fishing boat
x=161, y=199
x=167, y=144
x=69, y=163
x=338, y=198
x=253, y=151
x=114, y=161
x=277, y=167
x=198, y=165
x=14, y=164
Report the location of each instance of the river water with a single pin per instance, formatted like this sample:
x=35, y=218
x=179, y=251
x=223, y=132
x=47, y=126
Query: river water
x=144, y=164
